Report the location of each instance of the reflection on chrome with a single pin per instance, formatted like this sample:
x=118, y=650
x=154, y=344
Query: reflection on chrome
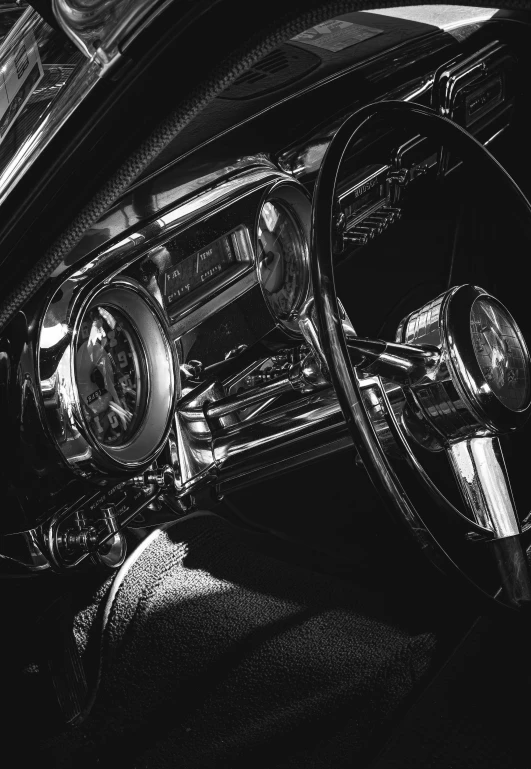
x=482, y=477
x=98, y=28
x=500, y=353
x=290, y=430
x=465, y=399
x=63, y=100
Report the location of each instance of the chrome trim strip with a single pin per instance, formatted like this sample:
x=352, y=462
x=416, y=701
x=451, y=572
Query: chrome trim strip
x=189, y=202
x=244, y=445
x=276, y=463
x=307, y=159
x=461, y=73
x=365, y=182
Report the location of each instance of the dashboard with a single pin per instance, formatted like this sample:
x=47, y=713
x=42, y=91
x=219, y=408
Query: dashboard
x=168, y=352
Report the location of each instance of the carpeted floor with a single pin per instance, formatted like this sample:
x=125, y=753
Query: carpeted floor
x=216, y=655
x=474, y=714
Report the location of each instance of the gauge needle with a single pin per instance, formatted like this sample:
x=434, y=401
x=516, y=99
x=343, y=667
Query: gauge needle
x=105, y=363
x=499, y=360
x=483, y=330
x=272, y=268
x=124, y=415
x=487, y=331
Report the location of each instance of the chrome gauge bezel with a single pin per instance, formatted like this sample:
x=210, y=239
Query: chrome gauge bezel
x=468, y=377
x=294, y=199
x=64, y=416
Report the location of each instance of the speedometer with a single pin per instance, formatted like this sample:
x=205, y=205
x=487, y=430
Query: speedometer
x=108, y=377
x=282, y=259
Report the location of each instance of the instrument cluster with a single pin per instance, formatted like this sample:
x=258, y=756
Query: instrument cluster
x=110, y=394
x=112, y=344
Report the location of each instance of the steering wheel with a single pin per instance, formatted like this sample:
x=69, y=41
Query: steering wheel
x=455, y=379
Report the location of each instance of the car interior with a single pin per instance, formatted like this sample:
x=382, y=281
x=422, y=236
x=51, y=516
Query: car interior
x=265, y=387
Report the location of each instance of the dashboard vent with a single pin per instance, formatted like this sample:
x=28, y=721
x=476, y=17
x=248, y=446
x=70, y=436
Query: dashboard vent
x=279, y=68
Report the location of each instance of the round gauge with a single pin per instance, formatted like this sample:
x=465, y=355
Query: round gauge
x=500, y=353
x=108, y=370
x=282, y=259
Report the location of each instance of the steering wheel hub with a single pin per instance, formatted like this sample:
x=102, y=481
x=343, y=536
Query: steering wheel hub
x=482, y=386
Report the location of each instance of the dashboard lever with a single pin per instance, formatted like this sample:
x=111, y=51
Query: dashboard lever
x=401, y=363
x=304, y=376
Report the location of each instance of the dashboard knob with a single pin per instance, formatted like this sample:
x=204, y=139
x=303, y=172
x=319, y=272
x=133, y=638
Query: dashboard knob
x=193, y=369
x=373, y=225
x=364, y=229
x=378, y=223
x=162, y=478
x=394, y=214
x=358, y=236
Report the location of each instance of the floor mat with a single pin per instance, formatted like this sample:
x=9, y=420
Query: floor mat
x=217, y=655
x=474, y=713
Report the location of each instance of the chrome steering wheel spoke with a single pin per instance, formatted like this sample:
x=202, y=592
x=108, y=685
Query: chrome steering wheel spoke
x=481, y=475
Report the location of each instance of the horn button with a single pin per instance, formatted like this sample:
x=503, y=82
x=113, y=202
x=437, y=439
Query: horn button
x=481, y=383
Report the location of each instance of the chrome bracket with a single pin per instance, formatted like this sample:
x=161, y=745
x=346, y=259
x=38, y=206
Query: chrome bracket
x=194, y=436
x=101, y=30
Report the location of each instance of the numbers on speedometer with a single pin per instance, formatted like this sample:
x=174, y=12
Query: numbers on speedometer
x=108, y=375
x=282, y=260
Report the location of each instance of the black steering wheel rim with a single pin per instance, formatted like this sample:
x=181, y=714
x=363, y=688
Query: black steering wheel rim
x=327, y=313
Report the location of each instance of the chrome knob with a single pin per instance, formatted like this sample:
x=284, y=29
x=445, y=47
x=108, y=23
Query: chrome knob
x=193, y=369
x=364, y=229
x=79, y=542
x=393, y=214
x=397, y=181
x=162, y=478
x=109, y=516
x=358, y=236
x=377, y=223
x=399, y=177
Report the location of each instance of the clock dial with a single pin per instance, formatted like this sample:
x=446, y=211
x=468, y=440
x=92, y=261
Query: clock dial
x=500, y=353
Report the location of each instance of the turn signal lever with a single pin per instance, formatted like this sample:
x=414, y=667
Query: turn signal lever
x=401, y=363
